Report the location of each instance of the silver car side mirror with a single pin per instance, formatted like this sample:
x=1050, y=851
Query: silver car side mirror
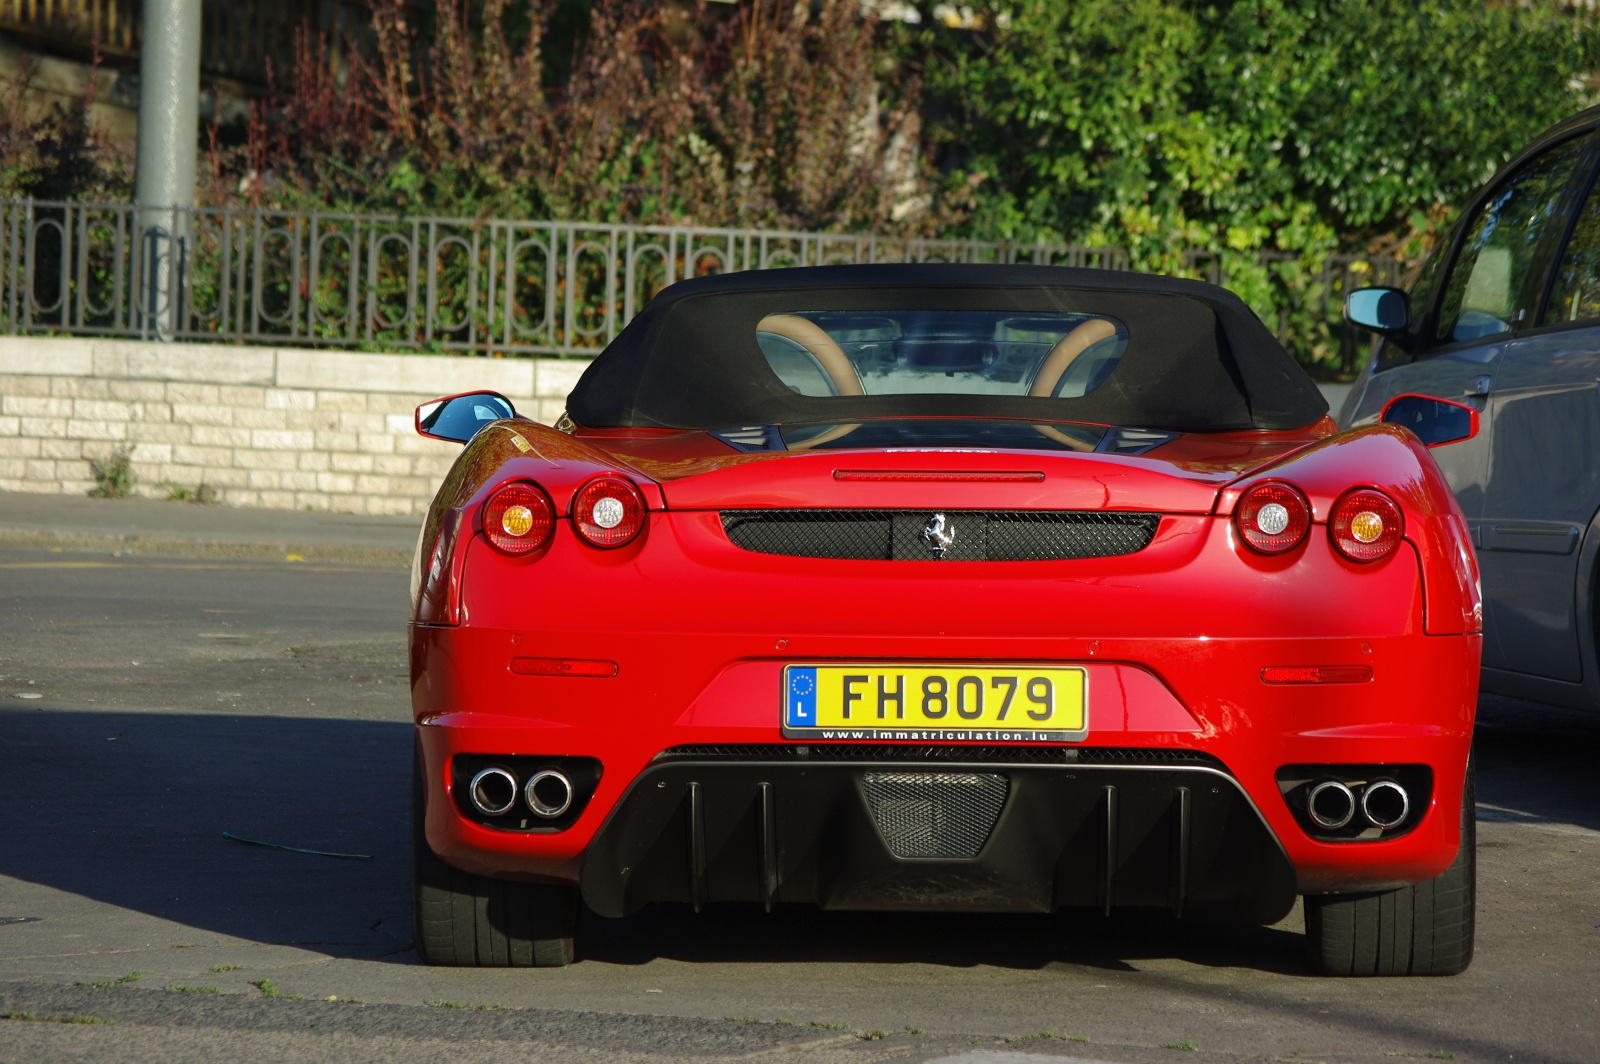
x=1384, y=310
x=457, y=418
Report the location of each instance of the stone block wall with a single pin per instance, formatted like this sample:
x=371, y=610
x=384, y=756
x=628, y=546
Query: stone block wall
x=284, y=428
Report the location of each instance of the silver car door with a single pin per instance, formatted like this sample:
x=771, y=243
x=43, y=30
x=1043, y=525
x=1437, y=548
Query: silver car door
x=1544, y=478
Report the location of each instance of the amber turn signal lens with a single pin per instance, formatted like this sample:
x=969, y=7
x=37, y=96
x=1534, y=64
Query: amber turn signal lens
x=518, y=519
x=1366, y=525
x=1272, y=518
x=609, y=511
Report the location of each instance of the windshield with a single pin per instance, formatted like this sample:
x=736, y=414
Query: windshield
x=823, y=353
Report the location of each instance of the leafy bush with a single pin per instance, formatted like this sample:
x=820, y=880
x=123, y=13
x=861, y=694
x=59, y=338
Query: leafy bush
x=770, y=116
x=1299, y=125
x=1245, y=140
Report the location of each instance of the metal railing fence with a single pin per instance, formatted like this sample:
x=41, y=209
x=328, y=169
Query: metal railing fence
x=473, y=286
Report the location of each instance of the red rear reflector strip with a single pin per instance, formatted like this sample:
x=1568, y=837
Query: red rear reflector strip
x=1316, y=674
x=562, y=667
x=913, y=475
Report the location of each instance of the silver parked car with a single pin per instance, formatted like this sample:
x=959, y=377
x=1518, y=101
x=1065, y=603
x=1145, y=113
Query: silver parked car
x=1505, y=317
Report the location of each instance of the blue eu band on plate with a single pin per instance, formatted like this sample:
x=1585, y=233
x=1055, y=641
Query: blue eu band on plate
x=975, y=703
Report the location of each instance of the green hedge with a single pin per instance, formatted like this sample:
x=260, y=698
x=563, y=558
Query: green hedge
x=1292, y=124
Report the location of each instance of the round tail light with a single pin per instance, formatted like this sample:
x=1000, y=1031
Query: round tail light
x=1366, y=525
x=609, y=511
x=518, y=519
x=1273, y=518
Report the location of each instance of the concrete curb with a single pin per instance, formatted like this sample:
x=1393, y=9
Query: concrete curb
x=202, y=548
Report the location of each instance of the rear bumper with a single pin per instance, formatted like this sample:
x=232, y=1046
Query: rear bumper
x=1409, y=720
x=1175, y=639
x=697, y=830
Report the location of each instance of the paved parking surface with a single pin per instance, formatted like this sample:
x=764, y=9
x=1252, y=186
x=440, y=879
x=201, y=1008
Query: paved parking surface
x=148, y=705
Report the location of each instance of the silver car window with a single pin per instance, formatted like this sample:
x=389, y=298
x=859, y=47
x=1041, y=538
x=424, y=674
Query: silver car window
x=1576, y=295
x=1484, y=293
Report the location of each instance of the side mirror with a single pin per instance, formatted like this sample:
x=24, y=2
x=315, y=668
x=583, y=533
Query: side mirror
x=1435, y=421
x=1384, y=310
x=457, y=418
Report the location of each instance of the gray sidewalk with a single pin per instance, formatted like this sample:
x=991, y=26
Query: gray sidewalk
x=193, y=530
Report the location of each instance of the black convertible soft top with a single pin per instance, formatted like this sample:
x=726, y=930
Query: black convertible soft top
x=1197, y=360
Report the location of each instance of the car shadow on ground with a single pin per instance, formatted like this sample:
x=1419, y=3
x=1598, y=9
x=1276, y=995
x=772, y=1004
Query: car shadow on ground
x=1535, y=763
x=802, y=934
x=129, y=809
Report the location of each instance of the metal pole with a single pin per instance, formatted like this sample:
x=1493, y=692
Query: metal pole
x=169, y=129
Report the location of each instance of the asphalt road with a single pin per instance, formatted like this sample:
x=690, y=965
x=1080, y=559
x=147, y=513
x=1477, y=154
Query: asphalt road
x=149, y=705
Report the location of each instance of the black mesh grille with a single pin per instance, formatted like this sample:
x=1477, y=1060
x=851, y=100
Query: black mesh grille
x=948, y=535
x=909, y=753
x=935, y=814
x=1131, y=755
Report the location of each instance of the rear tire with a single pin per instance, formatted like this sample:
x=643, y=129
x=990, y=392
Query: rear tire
x=1425, y=929
x=475, y=921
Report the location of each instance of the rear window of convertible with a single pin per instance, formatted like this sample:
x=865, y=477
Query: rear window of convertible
x=905, y=340
x=821, y=353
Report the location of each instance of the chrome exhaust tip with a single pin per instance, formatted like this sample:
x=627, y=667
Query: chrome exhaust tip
x=1331, y=804
x=548, y=793
x=493, y=792
x=1385, y=804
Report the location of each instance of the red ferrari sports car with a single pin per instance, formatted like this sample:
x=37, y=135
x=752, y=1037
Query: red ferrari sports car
x=945, y=587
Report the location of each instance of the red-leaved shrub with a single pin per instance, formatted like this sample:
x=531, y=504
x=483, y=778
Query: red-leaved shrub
x=772, y=114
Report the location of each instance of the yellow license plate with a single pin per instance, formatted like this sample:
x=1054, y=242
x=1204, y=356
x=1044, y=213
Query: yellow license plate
x=976, y=703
